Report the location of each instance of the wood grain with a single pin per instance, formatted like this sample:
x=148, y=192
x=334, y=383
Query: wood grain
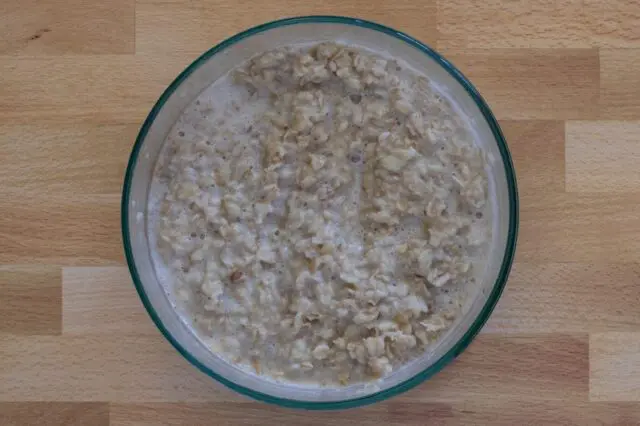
x=538, y=24
x=118, y=368
x=188, y=26
x=54, y=413
x=540, y=367
x=568, y=298
x=53, y=158
x=229, y=414
x=537, y=148
x=31, y=299
x=60, y=229
x=89, y=88
x=53, y=27
x=498, y=412
x=78, y=77
x=603, y=156
x=102, y=300
x=614, y=366
x=620, y=84
x=534, y=84
x=571, y=228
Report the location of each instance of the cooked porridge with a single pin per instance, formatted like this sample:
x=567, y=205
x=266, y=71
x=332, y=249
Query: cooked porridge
x=320, y=214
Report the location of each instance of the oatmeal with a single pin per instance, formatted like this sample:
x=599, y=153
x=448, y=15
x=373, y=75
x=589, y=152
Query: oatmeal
x=322, y=221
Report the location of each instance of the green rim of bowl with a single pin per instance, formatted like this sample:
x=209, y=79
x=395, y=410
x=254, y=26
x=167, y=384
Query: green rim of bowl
x=493, y=296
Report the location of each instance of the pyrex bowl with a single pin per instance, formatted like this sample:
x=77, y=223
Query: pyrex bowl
x=224, y=57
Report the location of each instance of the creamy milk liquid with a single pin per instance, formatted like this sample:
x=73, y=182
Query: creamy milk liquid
x=224, y=104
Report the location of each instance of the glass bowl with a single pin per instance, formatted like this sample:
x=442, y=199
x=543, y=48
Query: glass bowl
x=226, y=56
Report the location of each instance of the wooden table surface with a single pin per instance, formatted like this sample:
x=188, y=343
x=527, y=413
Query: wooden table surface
x=77, y=78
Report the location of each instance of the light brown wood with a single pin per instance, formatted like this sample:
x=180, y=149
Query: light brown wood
x=620, y=84
x=614, y=370
x=195, y=26
x=125, y=367
x=537, y=150
x=85, y=88
x=70, y=159
x=538, y=23
x=54, y=413
x=568, y=298
x=508, y=412
x=602, y=156
x=41, y=27
x=534, y=84
x=31, y=299
x=73, y=229
x=78, y=77
x=102, y=301
x=594, y=227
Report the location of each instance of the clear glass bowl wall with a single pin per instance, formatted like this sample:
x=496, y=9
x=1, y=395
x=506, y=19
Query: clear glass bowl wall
x=226, y=56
